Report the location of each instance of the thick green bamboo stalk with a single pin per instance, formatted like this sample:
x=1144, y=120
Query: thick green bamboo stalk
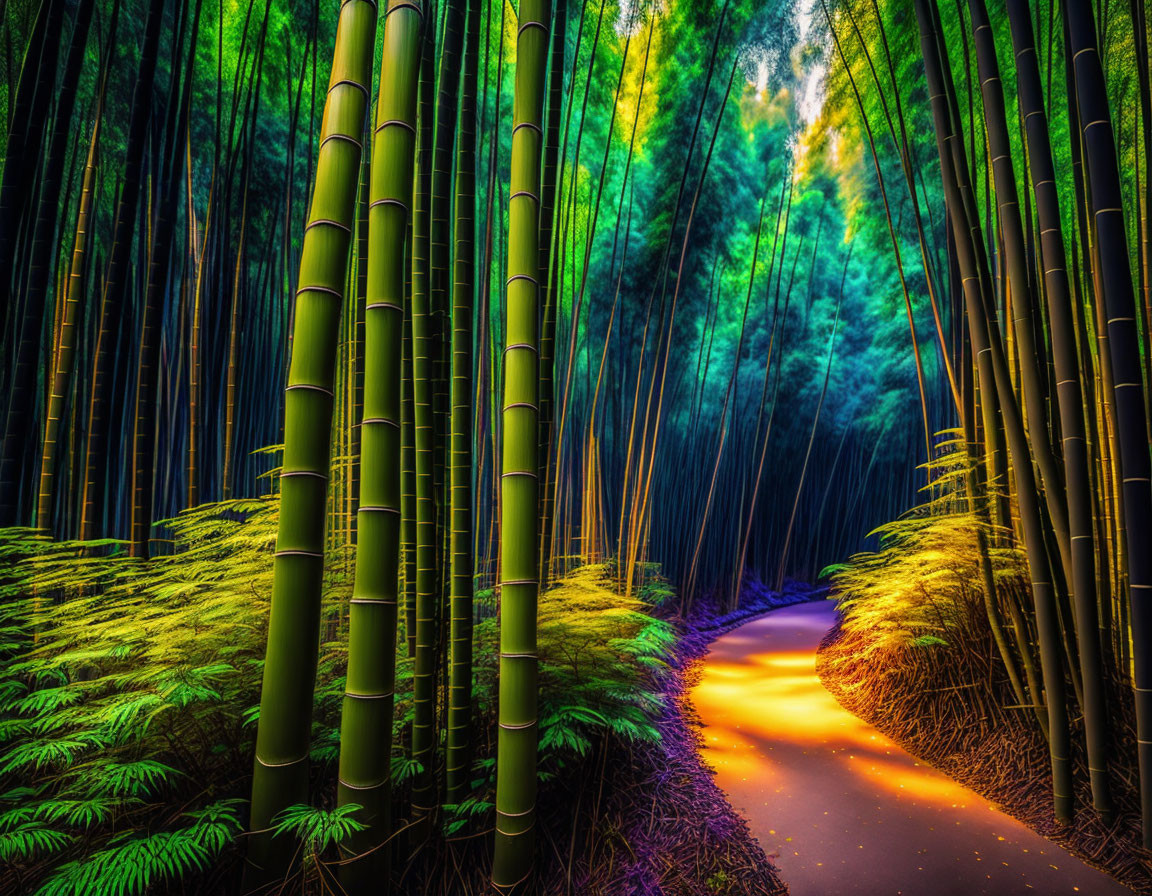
x=280, y=771
x=460, y=617
x=366, y=721
x=519, y=568
x=357, y=336
x=1115, y=278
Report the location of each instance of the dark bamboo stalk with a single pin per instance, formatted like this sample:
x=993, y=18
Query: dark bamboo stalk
x=993, y=380
x=1069, y=398
x=114, y=296
x=1123, y=357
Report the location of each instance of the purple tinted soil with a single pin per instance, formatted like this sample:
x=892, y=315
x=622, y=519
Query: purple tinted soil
x=677, y=834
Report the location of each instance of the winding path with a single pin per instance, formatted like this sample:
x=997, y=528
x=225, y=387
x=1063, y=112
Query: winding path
x=840, y=808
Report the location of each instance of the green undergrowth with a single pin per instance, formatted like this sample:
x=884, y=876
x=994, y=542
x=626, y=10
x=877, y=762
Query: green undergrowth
x=129, y=694
x=923, y=587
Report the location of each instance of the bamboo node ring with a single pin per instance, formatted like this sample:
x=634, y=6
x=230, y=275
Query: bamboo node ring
x=397, y=121
x=308, y=387
x=327, y=290
x=361, y=787
x=339, y=225
x=280, y=764
x=344, y=137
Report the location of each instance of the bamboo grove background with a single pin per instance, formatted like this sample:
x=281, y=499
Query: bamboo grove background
x=794, y=262
x=219, y=279
x=144, y=360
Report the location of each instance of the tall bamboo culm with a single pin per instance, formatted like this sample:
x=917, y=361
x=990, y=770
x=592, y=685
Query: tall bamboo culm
x=280, y=770
x=424, y=678
x=519, y=487
x=65, y=351
x=1119, y=303
x=1070, y=398
x=994, y=385
x=463, y=280
x=366, y=720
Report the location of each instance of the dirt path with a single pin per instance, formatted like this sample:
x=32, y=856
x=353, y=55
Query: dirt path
x=839, y=807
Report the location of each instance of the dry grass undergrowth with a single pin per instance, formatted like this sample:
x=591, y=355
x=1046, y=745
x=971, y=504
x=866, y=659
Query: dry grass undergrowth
x=914, y=656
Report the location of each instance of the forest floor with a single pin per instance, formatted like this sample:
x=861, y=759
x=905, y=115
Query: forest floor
x=668, y=829
x=840, y=806
x=1005, y=767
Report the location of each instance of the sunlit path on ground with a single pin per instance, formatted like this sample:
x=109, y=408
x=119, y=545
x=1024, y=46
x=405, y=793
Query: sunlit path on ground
x=838, y=806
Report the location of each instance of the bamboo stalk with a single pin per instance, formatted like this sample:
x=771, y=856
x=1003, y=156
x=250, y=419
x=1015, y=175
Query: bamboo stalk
x=366, y=720
x=280, y=772
x=513, y=855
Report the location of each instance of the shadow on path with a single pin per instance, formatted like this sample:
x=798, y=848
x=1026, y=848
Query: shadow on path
x=839, y=807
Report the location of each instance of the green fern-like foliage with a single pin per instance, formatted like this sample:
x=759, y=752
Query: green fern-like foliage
x=132, y=864
x=129, y=695
x=318, y=830
x=923, y=585
x=601, y=656
x=126, y=692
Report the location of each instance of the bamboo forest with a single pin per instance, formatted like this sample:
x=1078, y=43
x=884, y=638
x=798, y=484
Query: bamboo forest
x=575, y=447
